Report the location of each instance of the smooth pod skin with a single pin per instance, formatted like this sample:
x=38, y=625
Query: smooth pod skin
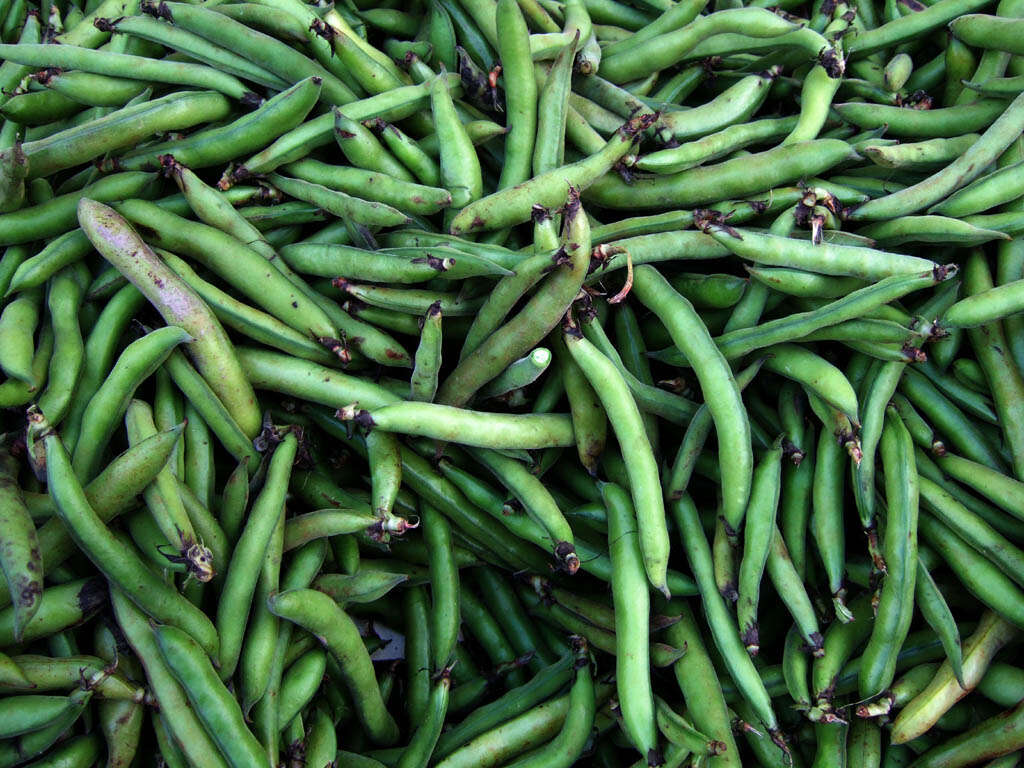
x=111, y=493
x=415, y=612
x=17, y=392
x=460, y=166
x=566, y=747
x=98, y=354
x=247, y=320
x=519, y=374
x=698, y=682
x=986, y=306
x=281, y=59
x=317, y=613
x=550, y=189
x=460, y=425
x=138, y=361
x=998, y=187
x=409, y=153
x=759, y=528
x=732, y=179
x=734, y=105
x=301, y=529
x=421, y=746
x=539, y=503
x=641, y=467
x=210, y=348
x=632, y=609
x=921, y=712
x=982, y=579
x=197, y=48
x=789, y=585
x=533, y=322
x=971, y=527
x=825, y=258
x=302, y=378
x=164, y=501
x=738, y=342
x=64, y=301
x=372, y=214
x=444, y=587
x=29, y=713
x=719, y=617
x=427, y=362
x=17, y=328
x=507, y=707
x=907, y=27
x=127, y=65
x=503, y=297
x=300, y=141
x=299, y=684
x=879, y=392
x=923, y=155
x=212, y=146
x=589, y=421
x=116, y=561
x=960, y=431
x=523, y=634
x=385, y=460
x=244, y=268
x=123, y=128
x=58, y=215
x=404, y=195
x=714, y=146
x=971, y=164
x=985, y=31
x=937, y=614
x=1001, y=735
x=899, y=547
x=520, y=92
x=721, y=393
x=321, y=741
x=665, y=50
x=816, y=94
x=506, y=739
x=692, y=444
x=175, y=709
x=214, y=705
x=553, y=109
x=815, y=374
x=946, y=122
x=247, y=556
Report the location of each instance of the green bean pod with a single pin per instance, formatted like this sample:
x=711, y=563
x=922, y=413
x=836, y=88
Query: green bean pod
x=316, y=612
x=213, y=704
x=278, y=115
x=210, y=347
x=758, y=531
x=642, y=469
x=549, y=189
x=896, y=603
x=720, y=390
x=632, y=607
x=936, y=612
x=138, y=361
x=424, y=738
x=244, y=568
x=116, y=561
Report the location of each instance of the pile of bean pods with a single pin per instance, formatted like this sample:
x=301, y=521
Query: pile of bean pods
x=534, y=383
